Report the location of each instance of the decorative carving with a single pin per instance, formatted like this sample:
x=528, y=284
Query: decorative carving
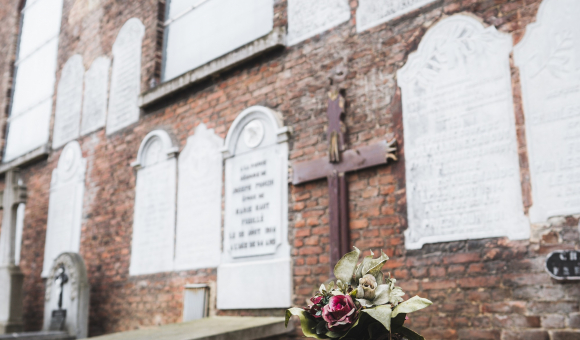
x=253, y=133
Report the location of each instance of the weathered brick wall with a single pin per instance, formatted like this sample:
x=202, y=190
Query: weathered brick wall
x=482, y=289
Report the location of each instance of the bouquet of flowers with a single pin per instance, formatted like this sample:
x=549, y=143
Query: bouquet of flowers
x=363, y=304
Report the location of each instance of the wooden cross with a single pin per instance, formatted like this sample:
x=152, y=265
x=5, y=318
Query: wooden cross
x=339, y=162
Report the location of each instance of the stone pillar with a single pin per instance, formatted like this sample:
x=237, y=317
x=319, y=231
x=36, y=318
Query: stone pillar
x=11, y=277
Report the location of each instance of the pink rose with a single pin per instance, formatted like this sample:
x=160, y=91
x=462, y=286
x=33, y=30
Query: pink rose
x=316, y=299
x=340, y=313
x=315, y=309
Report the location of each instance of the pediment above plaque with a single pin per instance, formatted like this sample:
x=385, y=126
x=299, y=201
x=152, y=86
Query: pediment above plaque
x=259, y=127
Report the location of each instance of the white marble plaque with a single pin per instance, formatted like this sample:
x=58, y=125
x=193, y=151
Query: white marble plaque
x=126, y=76
x=199, y=202
x=69, y=100
x=197, y=36
x=256, y=217
x=461, y=159
x=307, y=18
x=253, y=195
x=152, y=248
x=371, y=13
x=65, y=206
x=95, y=98
x=549, y=61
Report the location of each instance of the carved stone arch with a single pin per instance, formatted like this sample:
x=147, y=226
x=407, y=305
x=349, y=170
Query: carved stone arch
x=274, y=131
x=70, y=163
x=156, y=145
x=75, y=269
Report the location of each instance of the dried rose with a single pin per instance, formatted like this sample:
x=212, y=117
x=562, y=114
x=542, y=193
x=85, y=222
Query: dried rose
x=315, y=309
x=366, y=287
x=340, y=313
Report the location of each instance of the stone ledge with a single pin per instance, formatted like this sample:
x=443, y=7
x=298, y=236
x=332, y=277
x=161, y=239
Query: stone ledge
x=275, y=39
x=34, y=155
x=47, y=335
x=214, y=328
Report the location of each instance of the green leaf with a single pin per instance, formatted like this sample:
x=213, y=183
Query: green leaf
x=375, y=266
x=359, y=269
x=408, y=334
x=353, y=330
x=321, y=328
x=346, y=266
x=382, y=295
x=413, y=304
x=375, y=330
x=333, y=335
x=307, y=324
x=399, y=320
x=382, y=314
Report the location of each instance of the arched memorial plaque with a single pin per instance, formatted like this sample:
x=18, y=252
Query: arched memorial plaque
x=549, y=60
x=69, y=97
x=153, y=243
x=256, y=216
x=199, y=201
x=65, y=206
x=461, y=153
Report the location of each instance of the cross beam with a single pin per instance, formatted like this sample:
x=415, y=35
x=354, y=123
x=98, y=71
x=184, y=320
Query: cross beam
x=339, y=162
x=351, y=160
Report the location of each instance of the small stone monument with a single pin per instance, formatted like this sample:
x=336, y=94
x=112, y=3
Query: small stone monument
x=66, y=303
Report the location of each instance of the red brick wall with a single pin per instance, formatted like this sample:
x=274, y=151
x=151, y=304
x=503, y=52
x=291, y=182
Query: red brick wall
x=482, y=289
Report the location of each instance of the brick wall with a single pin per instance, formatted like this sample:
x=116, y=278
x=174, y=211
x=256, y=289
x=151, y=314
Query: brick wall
x=482, y=289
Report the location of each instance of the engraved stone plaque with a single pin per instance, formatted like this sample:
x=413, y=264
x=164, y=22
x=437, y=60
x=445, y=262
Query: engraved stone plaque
x=126, y=76
x=462, y=170
x=256, y=213
x=549, y=61
x=63, y=231
x=69, y=99
x=307, y=18
x=152, y=247
x=371, y=13
x=95, y=98
x=199, y=202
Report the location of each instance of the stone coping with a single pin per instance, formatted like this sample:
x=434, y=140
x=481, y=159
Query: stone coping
x=213, y=328
x=275, y=39
x=34, y=155
x=47, y=335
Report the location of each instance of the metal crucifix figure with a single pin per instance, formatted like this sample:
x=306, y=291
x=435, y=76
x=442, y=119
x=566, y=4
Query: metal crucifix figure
x=63, y=280
x=339, y=162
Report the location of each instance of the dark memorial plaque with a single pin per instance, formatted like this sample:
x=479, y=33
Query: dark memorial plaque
x=564, y=265
x=57, y=320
